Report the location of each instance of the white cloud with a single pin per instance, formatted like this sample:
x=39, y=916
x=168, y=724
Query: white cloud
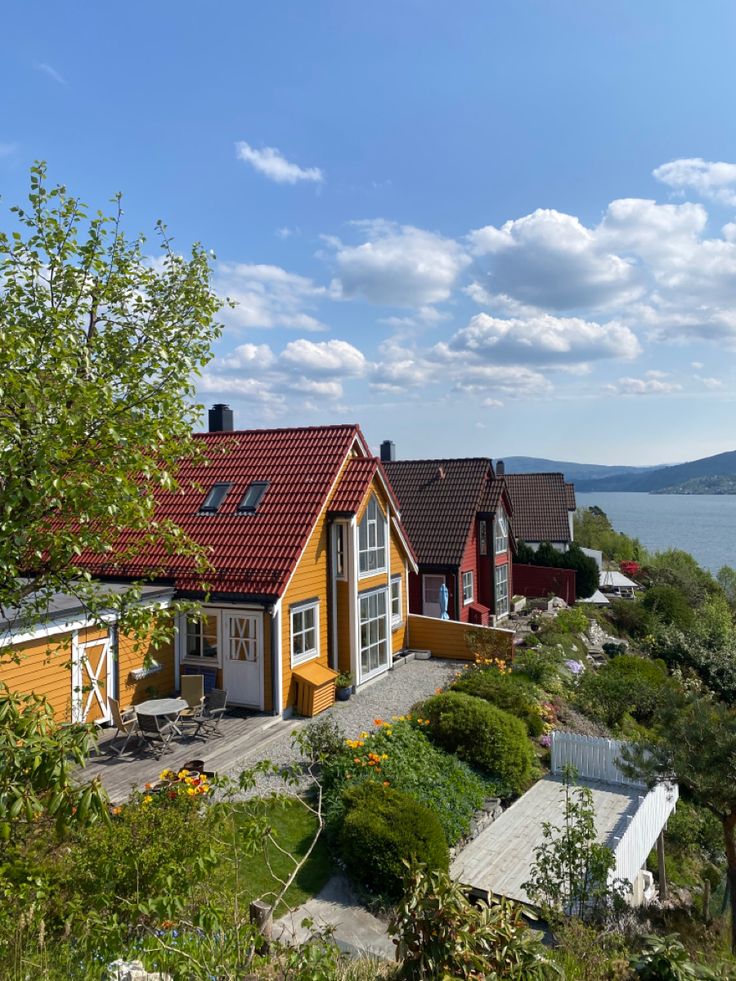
x=272, y=164
x=698, y=365
x=244, y=389
x=324, y=358
x=716, y=181
x=544, y=339
x=398, y=265
x=643, y=386
x=51, y=72
x=247, y=357
x=552, y=261
x=709, y=383
x=492, y=404
x=267, y=296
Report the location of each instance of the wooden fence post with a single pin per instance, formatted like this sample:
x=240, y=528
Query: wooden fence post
x=262, y=918
x=661, y=870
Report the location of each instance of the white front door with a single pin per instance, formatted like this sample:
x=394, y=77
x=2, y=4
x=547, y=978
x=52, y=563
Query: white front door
x=242, y=658
x=431, y=595
x=92, y=679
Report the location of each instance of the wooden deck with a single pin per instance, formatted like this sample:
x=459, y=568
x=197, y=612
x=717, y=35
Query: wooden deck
x=243, y=735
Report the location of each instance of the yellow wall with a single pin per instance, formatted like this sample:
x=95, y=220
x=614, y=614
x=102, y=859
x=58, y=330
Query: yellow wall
x=44, y=668
x=447, y=638
x=159, y=684
x=308, y=582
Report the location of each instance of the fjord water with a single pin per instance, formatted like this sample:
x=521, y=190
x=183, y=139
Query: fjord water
x=702, y=524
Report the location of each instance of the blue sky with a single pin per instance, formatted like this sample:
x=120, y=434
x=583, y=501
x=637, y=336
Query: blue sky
x=473, y=227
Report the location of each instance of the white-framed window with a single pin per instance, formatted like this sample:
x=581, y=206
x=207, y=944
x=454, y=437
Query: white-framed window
x=304, y=632
x=502, y=532
x=467, y=588
x=396, y=616
x=201, y=637
x=338, y=551
x=483, y=537
x=372, y=540
x=502, y=590
x=373, y=632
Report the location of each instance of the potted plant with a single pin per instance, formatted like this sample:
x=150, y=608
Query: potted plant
x=343, y=686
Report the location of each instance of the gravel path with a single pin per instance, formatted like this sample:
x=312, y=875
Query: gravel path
x=393, y=694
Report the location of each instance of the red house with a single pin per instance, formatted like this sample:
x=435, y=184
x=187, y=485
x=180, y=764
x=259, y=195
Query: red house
x=457, y=514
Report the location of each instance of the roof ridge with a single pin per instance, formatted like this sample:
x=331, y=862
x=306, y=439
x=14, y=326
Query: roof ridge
x=281, y=429
x=445, y=459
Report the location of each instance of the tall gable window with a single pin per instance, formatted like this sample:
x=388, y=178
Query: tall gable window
x=252, y=497
x=215, y=497
x=502, y=532
x=372, y=539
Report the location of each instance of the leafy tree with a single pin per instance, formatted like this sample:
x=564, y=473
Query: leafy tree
x=99, y=347
x=727, y=581
x=677, y=568
x=37, y=759
x=441, y=934
x=571, y=871
x=694, y=743
x=669, y=604
x=593, y=529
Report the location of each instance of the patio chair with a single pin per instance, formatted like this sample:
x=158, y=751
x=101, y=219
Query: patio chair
x=192, y=691
x=157, y=733
x=215, y=704
x=126, y=724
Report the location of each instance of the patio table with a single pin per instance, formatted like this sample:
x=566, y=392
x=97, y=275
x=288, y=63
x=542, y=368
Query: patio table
x=167, y=707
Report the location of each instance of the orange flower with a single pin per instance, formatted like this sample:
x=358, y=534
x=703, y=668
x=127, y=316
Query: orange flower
x=357, y=759
x=378, y=722
x=386, y=783
x=116, y=811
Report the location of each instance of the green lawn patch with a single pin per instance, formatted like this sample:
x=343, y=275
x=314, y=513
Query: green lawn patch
x=293, y=827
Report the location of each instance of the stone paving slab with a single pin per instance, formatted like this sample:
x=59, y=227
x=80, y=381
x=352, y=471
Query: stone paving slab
x=356, y=930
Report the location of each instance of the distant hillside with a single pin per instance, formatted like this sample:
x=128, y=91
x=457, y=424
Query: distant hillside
x=703, y=485
x=572, y=471
x=666, y=479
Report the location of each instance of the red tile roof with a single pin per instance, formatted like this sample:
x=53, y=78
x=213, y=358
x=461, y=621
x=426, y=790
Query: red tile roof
x=252, y=554
x=356, y=480
x=540, y=503
x=439, y=500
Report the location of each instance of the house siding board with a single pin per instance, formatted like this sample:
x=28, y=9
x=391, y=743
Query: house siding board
x=447, y=638
x=469, y=563
x=155, y=685
x=43, y=668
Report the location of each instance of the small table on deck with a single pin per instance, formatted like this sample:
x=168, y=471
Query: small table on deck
x=167, y=707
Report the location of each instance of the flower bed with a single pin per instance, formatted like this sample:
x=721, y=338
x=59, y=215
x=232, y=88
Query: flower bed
x=398, y=754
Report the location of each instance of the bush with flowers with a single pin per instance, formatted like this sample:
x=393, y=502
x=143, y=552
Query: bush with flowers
x=511, y=691
x=398, y=753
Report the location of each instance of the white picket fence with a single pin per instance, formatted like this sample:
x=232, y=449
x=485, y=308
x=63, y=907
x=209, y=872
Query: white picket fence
x=593, y=758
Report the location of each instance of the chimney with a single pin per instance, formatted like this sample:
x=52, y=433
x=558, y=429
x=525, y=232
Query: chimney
x=221, y=418
x=388, y=451
x=500, y=469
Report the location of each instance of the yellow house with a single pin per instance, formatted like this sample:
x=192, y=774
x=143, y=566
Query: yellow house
x=309, y=560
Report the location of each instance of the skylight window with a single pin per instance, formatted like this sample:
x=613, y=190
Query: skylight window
x=252, y=497
x=215, y=497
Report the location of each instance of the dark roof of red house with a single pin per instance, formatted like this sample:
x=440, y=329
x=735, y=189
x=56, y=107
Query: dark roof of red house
x=252, y=554
x=570, y=495
x=439, y=500
x=540, y=502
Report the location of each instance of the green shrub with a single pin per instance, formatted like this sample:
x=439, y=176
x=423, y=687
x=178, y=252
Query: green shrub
x=627, y=684
x=411, y=763
x=441, y=934
x=483, y=735
x=383, y=829
x=670, y=605
x=631, y=617
x=543, y=666
x=571, y=621
x=514, y=693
